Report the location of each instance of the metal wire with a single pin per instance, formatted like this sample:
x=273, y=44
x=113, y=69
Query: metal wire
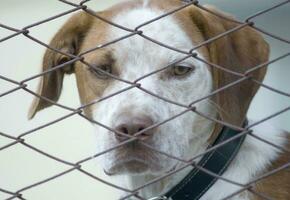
x=22, y=138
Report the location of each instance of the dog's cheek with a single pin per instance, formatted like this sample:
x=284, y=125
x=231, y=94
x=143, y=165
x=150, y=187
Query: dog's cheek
x=103, y=137
x=172, y=139
x=180, y=131
x=101, y=144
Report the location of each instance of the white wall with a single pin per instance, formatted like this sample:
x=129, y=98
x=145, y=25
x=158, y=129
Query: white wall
x=72, y=139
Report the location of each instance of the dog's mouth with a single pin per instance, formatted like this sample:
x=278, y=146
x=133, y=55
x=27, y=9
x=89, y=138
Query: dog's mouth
x=133, y=159
x=136, y=164
x=131, y=165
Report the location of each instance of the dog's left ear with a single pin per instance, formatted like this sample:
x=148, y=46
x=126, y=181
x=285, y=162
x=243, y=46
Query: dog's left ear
x=68, y=40
x=238, y=51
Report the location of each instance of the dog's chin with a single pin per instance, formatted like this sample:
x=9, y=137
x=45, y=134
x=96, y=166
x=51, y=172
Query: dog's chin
x=130, y=166
x=136, y=166
x=135, y=160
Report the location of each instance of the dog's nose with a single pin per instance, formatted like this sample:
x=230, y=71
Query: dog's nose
x=131, y=125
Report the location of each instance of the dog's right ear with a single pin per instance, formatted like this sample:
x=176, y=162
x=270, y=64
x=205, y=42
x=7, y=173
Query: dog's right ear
x=68, y=40
x=238, y=51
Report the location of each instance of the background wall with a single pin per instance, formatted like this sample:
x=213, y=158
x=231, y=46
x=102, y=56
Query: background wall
x=72, y=139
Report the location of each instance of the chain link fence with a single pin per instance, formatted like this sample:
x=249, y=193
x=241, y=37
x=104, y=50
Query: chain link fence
x=22, y=139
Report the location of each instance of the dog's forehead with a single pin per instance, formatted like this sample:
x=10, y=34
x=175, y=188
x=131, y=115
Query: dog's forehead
x=175, y=30
x=140, y=51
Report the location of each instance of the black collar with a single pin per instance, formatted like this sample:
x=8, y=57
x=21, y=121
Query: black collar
x=197, y=182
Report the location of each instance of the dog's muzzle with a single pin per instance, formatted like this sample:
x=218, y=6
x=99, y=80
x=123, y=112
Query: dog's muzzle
x=130, y=124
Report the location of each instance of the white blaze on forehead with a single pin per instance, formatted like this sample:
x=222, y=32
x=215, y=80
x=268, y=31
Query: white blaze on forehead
x=137, y=51
x=165, y=30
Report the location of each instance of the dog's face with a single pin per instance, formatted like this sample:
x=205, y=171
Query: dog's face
x=138, y=109
x=135, y=110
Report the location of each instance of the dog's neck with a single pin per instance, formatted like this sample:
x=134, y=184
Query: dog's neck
x=202, y=129
x=250, y=151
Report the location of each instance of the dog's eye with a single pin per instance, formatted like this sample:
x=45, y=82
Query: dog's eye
x=102, y=71
x=182, y=70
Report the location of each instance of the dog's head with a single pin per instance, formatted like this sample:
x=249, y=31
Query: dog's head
x=183, y=82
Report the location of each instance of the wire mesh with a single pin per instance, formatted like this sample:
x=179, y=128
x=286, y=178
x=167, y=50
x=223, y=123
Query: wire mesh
x=77, y=166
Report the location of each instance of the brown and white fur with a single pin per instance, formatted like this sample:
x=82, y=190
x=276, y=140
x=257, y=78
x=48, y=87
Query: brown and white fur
x=187, y=135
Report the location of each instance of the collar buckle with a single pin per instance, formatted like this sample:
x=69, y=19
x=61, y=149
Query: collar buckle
x=159, y=198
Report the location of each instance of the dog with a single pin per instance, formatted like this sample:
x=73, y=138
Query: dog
x=184, y=81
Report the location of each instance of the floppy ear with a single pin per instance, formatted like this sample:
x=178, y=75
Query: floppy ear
x=68, y=39
x=238, y=51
